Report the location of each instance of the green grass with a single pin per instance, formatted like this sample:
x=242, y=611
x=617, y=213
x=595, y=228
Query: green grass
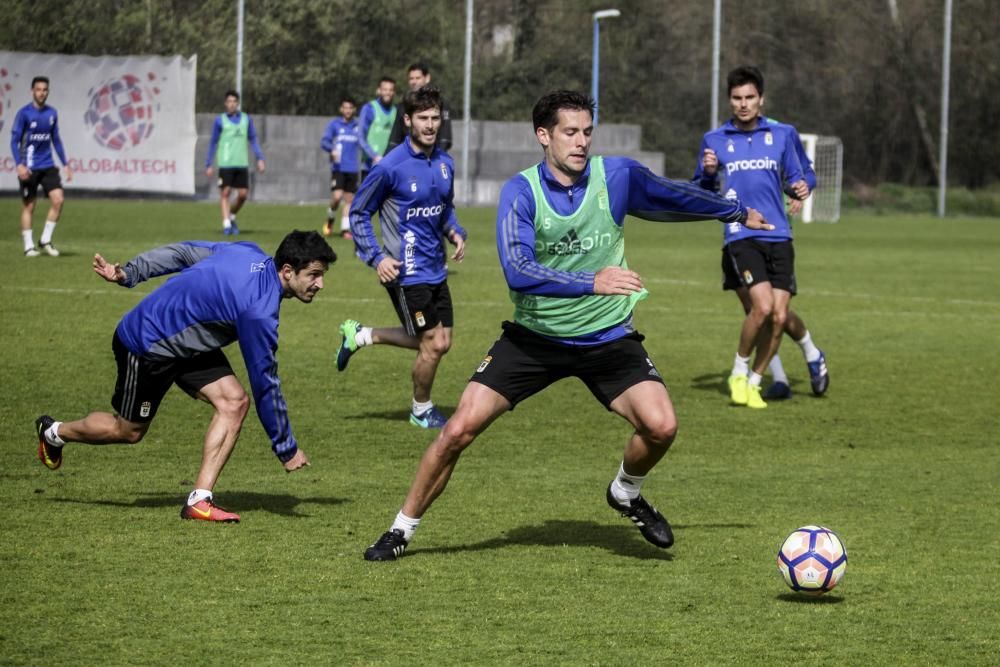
x=520, y=561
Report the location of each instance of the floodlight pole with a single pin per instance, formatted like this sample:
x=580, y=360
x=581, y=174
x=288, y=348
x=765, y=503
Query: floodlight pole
x=239, y=47
x=716, y=46
x=596, y=67
x=945, y=81
x=467, y=103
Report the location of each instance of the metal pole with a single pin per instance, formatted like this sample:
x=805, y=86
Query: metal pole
x=595, y=67
x=467, y=103
x=596, y=61
x=239, y=47
x=716, y=45
x=945, y=83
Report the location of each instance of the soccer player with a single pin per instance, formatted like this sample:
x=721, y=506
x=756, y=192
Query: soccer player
x=222, y=293
x=819, y=377
x=411, y=189
x=343, y=141
x=761, y=161
x=418, y=75
x=230, y=134
x=560, y=237
x=33, y=136
x=376, y=120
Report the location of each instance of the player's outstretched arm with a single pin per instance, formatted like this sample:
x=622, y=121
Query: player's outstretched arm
x=113, y=273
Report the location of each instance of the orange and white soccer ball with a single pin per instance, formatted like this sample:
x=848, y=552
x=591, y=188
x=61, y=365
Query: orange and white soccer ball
x=812, y=560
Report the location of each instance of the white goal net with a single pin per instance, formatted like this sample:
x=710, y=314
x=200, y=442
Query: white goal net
x=827, y=155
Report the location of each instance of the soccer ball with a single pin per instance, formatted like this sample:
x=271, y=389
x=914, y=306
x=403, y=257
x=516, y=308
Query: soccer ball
x=812, y=560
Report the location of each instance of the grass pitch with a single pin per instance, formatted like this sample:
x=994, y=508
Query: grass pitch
x=520, y=561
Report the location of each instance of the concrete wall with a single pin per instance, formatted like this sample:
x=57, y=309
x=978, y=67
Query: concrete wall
x=298, y=171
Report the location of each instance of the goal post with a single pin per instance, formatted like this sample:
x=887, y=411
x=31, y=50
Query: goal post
x=827, y=156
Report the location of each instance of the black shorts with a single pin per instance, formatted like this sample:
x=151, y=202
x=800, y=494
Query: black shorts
x=234, y=177
x=47, y=178
x=747, y=262
x=422, y=307
x=521, y=363
x=344, y=180
x=142, y=383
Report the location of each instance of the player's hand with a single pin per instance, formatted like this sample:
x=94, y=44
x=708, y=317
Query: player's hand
x=23, y=173
x=376, y=160
x=616, y=280
x=300, y=460
x=794, y=206
x=709, y=162
x=459, y=243
x=261, y=166
x=800, y=189
x=756, y=221
x=113, y=273
x=208, y=172
x=69, y=173
x=388, y=269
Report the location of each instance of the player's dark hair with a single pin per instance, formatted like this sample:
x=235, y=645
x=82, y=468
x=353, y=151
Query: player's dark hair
x=743, y=75
x=232, y=93
x=40, y=79
x=350, y=100
x=387, y=79
x=546, y=111
x=300, y=249
x=421, y=99
x=424, y=69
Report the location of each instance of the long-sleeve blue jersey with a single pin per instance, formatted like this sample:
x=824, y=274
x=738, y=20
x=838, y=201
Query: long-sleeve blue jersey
x=225, y=292
x=345, y=134
x=632, y=190
x=34, y=133
x=413, y=195
x=213, y=142
x=756, y=166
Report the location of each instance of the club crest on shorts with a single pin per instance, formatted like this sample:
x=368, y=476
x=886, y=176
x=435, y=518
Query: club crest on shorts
x=145, y=409
x=485, y=362
x=747, y=277
x=419, y=317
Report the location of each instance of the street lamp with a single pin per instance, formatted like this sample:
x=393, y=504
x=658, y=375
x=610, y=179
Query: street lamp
x=602, y=14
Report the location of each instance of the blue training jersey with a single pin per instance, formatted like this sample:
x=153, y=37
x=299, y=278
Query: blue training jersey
x=632, y=190
x=756, y=166
x=224, y=292
x=33, y=136
x=346, y=135
x=413, y=195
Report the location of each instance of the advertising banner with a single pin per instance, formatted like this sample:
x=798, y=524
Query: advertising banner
x=126, y=123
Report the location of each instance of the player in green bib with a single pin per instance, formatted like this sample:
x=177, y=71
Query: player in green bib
x=562, y=249
x=231, y=133
x=376, y=121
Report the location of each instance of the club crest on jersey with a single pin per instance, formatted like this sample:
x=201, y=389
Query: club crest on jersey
x=486, y=362
x=768, y=138
x=444, y=171
x=747, y=277
x=145, y=409
x=256, y=267
x=730, y=148
x=419, y=317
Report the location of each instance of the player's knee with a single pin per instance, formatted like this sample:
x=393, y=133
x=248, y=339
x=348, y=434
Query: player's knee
x=234, y=407
x=662, y=432
x=131, y=434
x=457, y=434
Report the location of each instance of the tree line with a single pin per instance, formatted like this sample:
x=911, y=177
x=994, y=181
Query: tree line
x=867, y=71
